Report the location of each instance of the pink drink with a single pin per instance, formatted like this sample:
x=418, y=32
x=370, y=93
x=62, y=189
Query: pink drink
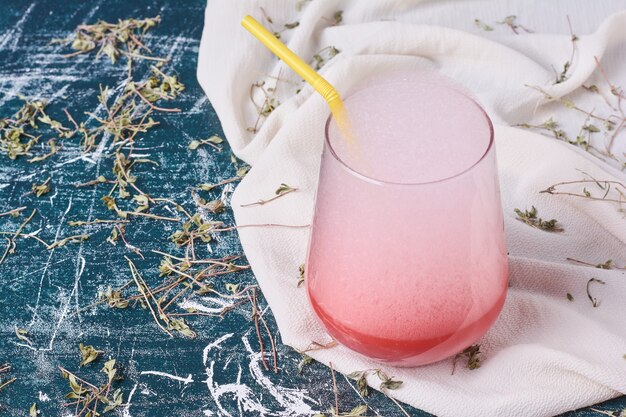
x=407, y=261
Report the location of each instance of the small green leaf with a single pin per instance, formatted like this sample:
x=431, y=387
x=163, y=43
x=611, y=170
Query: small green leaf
x=232, y=288
x=391, y=384
x=88, y=354
x=215, y=139
x=591, y=128
x=337, y=17
x=284, y=188
x=206, y=187
x=41, y=189
x=22, y=334
x=357, y=411
x=242, y=171
x=361, y=385
x=306, y=360
x=482, y=25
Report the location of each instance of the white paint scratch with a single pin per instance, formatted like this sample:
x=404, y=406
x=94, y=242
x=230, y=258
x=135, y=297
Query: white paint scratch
x=185, y=381
x=197, y=107
x=200, y=306
x=360, y=396
x=242, y=393
x=60, y=93
x=80, y=268
x=91, y=13
x=15, y=33
x=252, y=400
x=292, y=400
x=126, y=412
x=48, y=262
x=215, y=344
x=100, y=149
x=72, y=160
x=16, y=83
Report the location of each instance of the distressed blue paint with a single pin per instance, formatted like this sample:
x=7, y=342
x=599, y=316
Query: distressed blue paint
x=42, y=290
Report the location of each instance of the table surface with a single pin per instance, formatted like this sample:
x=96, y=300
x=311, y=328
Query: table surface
x=46, y=291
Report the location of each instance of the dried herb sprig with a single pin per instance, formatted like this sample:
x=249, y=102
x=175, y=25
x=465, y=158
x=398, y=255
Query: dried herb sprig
x=54, y=149
x=609, y=190
x=619, y=413
x=111, y=204
x=5, y=369
x=69, y=239
x=195, y=228
x=281, y=191
x=181, y=276
x=270, y=22
x=562, y=76
x=95, y=221
x=149, y=298
x=357, y=411
x=386, y=382
x=511, y=22
x=570, y=105
x=130, y=113
x=112, y=39
x=321, y=57
x=10, y=248
x=482, y=25
x=213, y=141
x=610, y=126
x=618, y=93
x=608, y=264
x=120, y=231
x=594, y=301
x=13, y=212
x=336, y=19
x=530, y=218
x=214, y=206
x=472, y=353
x=18, y=132
x=313, y=346
x=209, y=187
x=269, y=103
x=258, y=317
x=300, y=4
x=90, y=400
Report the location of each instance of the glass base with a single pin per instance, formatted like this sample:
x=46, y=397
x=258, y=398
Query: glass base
x=410, y=353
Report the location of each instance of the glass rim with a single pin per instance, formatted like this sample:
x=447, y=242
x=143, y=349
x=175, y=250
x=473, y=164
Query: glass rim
x=378, y=181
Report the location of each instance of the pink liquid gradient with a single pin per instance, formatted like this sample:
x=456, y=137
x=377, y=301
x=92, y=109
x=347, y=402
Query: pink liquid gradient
x=407, y=261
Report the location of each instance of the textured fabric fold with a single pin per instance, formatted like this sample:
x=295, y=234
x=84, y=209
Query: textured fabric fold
x=545, y=354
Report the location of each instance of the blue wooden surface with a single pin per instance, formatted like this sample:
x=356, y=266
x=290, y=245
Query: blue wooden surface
x=41, y=290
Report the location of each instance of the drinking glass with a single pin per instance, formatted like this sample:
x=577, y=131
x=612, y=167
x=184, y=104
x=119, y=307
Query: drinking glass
x=407, y=262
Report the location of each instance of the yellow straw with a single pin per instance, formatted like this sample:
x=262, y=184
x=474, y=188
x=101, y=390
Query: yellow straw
x=294, y=62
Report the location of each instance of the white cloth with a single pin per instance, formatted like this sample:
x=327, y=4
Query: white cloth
x=545, y=354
